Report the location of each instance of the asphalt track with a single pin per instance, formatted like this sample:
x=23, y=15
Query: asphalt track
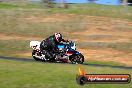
x=95, y=65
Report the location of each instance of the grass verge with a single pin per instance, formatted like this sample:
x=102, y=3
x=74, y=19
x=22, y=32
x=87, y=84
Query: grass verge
x=15, y=74
x=87, y=9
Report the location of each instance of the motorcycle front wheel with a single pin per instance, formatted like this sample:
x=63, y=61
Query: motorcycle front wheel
x=79, y=58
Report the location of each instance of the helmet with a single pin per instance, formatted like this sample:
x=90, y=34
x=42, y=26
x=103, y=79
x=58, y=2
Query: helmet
x=58, y=37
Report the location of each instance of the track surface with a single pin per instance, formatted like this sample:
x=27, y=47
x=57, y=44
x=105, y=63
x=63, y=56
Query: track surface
x=32, y=60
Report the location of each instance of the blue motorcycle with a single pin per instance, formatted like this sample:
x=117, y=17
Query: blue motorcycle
x=65, y=52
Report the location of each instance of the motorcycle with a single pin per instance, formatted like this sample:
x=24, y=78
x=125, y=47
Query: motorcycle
x=65, y=52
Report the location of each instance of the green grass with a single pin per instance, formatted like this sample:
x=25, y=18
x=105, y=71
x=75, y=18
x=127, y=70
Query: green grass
x=107, y=63
x=7, y=6
x=15, y=74
x=87, y=9
x=10, y=47
x=96, y=10
x=20, y=5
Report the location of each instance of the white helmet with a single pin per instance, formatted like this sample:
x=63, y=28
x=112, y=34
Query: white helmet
x=58, y=37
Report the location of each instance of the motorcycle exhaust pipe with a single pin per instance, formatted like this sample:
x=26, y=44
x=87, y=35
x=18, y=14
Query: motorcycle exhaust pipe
x=37, y=56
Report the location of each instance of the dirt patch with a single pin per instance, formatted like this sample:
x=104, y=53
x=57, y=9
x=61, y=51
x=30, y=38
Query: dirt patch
x=107, y=55
x=50, y=18
x=23, y=54
x=101, y=38
x=104, y=29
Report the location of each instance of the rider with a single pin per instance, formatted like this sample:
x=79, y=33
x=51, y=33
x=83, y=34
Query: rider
x=48, y=46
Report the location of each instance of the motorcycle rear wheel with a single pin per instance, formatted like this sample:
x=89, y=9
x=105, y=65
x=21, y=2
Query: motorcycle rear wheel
x=35, y=58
